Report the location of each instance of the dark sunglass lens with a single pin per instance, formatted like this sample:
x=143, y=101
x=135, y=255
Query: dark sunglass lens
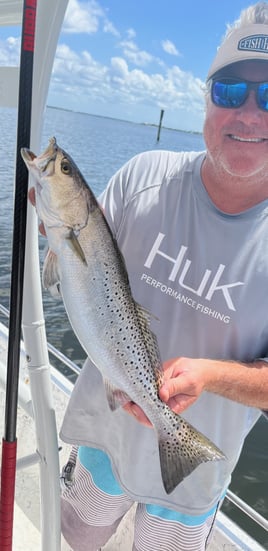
x=228, y=94
x=262, y=96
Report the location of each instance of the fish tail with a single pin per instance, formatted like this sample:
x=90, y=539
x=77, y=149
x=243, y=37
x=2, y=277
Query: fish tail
x=181, y=450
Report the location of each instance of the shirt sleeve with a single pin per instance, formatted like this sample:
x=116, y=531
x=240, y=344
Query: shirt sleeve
x=145, y=170
x=114, y=198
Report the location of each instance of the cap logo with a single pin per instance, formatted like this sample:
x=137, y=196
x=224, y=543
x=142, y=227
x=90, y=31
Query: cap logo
x=254, y=43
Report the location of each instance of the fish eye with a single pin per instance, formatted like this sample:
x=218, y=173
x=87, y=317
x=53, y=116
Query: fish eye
x=66, y=167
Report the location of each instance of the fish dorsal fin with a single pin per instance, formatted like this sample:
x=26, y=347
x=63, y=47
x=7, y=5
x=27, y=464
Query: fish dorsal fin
x=115, y=397
x=74, y=244
x=145, y=314
x=50, y=275
x=150, y=340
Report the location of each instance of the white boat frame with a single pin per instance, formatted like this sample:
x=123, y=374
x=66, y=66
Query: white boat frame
x=49, y=20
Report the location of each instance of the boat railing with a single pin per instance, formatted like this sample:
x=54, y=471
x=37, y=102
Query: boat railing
x=247, y=510
x=230, y=496
x=51, y=349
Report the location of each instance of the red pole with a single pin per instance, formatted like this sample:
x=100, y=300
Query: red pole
x=8, y=476
x=9, y=443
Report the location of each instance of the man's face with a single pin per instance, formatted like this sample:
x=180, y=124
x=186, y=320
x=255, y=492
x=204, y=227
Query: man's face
x=237, y=139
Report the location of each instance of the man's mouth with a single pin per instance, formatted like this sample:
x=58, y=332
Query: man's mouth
x=247, y=140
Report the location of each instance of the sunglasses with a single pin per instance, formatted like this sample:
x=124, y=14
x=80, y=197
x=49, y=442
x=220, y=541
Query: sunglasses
x=231, y=93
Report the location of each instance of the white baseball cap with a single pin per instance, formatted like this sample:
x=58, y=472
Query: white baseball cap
x=249, y=42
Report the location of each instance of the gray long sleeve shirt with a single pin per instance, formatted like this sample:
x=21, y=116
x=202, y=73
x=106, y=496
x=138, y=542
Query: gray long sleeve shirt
x=203, y=275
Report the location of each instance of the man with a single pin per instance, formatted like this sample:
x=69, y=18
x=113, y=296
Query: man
x=193, y=229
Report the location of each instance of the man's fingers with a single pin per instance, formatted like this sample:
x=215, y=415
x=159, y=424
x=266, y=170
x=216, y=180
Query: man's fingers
x=137, y=412
x=42, y=229
x=31, y=196
x=170, y=388
x=164, y=393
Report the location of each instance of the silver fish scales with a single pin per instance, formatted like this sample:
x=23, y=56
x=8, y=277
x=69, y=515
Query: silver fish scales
x=85, y=263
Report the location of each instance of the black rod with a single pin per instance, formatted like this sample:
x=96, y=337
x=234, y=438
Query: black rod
x=20, y=216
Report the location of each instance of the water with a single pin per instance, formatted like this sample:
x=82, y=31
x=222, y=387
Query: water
x=100, y=146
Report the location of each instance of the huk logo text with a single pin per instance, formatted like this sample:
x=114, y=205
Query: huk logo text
x=209, y=284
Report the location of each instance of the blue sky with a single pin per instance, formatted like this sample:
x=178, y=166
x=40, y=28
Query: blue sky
x=129, y=59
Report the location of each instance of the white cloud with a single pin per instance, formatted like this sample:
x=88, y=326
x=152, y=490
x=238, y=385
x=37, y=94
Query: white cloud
x=79, y=81
x=10, y=51
x=108, y=27
x=82, y=18
x=136, y=56
x=169, y=47
x=119, y=67
x=87, y=75
x=117, y=84
x=130, y=33
x=86, y=17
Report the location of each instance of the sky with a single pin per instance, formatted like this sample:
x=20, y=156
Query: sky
x=128, y=59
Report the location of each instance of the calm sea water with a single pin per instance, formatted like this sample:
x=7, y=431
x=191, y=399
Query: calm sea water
x=100, y=146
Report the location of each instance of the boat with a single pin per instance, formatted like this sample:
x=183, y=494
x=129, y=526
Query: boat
x=43, y=390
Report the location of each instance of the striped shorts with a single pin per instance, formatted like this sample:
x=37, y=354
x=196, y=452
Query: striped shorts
x=94, y=505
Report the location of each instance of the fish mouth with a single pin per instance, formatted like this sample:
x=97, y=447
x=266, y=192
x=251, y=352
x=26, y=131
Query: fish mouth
x=49, y=155
x=43, y=160
x=27, y=155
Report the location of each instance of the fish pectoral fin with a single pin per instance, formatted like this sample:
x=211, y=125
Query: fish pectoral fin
x=116, y=397
x=50, y=275
x=181, y=451
x=75, y=246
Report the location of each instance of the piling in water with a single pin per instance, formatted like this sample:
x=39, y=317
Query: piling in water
x=160, y=124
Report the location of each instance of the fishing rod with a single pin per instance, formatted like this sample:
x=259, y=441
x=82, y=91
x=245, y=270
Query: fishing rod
x=9, y=441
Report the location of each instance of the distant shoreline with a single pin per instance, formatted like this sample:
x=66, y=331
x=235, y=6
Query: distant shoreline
x=124, y=120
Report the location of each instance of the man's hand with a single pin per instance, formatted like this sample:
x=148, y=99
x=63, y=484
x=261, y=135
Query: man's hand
x=186, y=378
x=137, y=412
x=184, y=381
x=31, y=197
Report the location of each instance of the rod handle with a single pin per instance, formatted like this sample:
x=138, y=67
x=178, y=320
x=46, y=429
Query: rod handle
x=8, y=476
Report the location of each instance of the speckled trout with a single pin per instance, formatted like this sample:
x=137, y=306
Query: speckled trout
x=84, y=263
